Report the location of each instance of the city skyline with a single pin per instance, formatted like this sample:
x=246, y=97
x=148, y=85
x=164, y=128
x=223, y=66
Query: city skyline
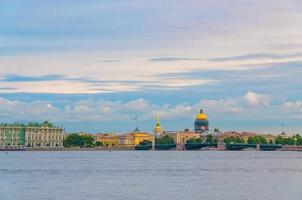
x=96, y=66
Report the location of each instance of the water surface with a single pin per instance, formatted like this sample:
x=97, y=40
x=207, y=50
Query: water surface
x=150, y=175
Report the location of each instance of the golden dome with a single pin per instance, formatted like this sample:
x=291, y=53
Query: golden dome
x=201, y=116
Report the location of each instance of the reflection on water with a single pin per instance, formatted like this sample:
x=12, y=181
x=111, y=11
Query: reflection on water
x=150, y=175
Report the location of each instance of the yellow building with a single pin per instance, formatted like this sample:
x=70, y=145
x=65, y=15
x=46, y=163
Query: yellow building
x=181, y=137
x=126, y=141
x=130, y=140
x=108, y=140
x=141, y=136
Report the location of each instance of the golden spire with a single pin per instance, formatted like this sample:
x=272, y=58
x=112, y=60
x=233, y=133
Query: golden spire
x=157, y=129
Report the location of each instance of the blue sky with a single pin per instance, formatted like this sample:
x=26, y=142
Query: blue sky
x=95, y=65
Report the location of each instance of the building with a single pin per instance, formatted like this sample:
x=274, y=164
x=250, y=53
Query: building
x=126, y=141
x=108, y=140
x=181, y=137
x=31, y=135
x=139, y=136
x=201, y=124
x=157, y=129
x=244, y=136
x=43, y=135
x=130, y=140
x=12, y=136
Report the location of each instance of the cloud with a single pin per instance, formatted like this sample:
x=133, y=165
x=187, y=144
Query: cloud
x=260, y=56
x=171, y=59
x=109, y=61
x=293, y=107
x=249, y=106
x=248, y=57
x=256, y=100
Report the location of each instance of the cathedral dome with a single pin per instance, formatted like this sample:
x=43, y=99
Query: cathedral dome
x=201, y=123
x=201, y=116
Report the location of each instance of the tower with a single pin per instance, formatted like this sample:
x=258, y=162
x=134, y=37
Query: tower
x=157, y=129
x=201, y=124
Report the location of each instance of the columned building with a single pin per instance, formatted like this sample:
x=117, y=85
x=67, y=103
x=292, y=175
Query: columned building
x=201, y=124
x=12, y=136
x=30, y=135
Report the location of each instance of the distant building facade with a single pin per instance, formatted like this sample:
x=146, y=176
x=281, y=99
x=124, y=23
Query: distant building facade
x=139, y=136
x=108, y=140
x=126, y=141
x=12, y=136
x=129, y=140
x=201, y=123
x=31, y=135
x=244, y=136
x=181, y=137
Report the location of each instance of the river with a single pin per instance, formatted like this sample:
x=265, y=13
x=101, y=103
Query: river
x=150, y=175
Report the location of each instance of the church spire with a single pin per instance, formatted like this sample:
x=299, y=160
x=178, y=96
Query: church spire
x=157, y=129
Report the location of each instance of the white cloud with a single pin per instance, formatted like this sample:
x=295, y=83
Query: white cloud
x=293, y=107
x=98, y=110
x=254, y=100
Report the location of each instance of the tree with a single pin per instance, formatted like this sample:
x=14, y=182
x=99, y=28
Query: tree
x=88, y=140
x=145, y=143
x=279, y=140
x=258, y=139
x=232, y=139
x=76, y=140
x=73, y=140
x=210, y=139
x=251, y=140
x=194, y=141
x=165, y=140
x=98, y=144
x=298, y=140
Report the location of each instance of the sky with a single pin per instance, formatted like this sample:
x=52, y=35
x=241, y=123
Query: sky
x=96, y=65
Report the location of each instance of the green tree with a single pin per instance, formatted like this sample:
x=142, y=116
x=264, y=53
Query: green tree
x=76, y=140
x=298, y=140
x=98, y=144
x=194, y=141
x=145, y=142
x=233, y=139
x=73, y=140
x=279, y=140
x=251, y=140
x=261, y=139
x=164, y=140
x=210, y=139
x=258, y=139
x=88, y=140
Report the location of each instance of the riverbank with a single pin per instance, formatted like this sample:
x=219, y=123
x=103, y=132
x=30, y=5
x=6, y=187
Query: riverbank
x=284, y=148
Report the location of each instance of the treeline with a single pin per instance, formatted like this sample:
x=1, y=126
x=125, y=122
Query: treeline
x=209, y=139
x=251, y=140
x=76, y=140
x=294, y=140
